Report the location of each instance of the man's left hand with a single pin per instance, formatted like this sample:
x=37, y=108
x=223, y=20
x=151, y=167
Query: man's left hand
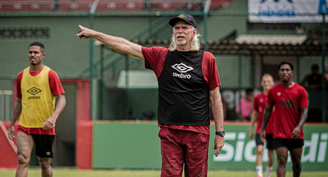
x=218, y=144
x=296, y=132
x=49, y=124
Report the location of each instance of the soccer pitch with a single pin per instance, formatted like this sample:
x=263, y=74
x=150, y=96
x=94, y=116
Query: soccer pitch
x=72, y=172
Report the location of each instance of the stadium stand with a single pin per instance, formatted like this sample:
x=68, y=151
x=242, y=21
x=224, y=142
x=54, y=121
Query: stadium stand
x=106, y=5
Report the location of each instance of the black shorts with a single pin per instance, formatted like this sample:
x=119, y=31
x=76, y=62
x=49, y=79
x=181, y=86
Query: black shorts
x=288, y=143
x=43, y=145
x=258, y=140
x=269, y=140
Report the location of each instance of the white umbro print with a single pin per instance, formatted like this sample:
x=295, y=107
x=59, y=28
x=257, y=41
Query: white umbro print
x=279, y=93
x=182, y=68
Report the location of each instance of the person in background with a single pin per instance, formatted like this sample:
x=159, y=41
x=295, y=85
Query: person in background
x=244, y=107
x=291, y=109
x=313, y=81
x=257, y=116
x=37, y=89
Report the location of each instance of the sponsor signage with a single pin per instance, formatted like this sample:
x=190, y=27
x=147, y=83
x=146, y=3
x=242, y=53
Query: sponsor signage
x=285, y=11
x=239, y=151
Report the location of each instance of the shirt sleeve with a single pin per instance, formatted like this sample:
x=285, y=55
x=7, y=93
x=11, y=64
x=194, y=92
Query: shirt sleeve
x=18, y=84
x=304, y=98
x=270, y=100
x=255, y=104
x=55, y=85
x=155, y=58
x=210, y=71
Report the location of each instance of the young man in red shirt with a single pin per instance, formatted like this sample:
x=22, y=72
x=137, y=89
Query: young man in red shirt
x=291, y=107
x=257, y=116
x=188, y=90
x=37, y=88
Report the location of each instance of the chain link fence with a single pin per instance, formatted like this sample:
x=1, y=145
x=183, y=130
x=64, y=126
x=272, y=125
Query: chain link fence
x=247, y=48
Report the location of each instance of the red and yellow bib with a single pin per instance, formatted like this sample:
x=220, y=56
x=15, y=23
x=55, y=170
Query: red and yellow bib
x=38, y=102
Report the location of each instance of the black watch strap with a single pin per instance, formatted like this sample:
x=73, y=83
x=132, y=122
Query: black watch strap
x=221, y=133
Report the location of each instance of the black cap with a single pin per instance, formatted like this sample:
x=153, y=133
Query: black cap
x=183, y=17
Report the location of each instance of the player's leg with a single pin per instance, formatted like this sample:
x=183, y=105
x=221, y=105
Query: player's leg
x=46, y=169
x=196, y=154
x=296, y=149
x=24, y=148
x=296, y=155
x=269, y=163
x=172, y=153
x=43, y=149
x=269, y=141
x=282, y=154
x=259, y=153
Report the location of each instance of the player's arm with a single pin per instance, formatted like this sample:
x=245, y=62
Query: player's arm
x=303, y=113
x=253, y=120
x=266, y=118
x=50, y=122
x=297, y=130
x=15, y=115
x=217, y=113
x=117, y=43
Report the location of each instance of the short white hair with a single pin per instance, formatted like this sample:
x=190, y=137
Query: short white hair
x=195, y=45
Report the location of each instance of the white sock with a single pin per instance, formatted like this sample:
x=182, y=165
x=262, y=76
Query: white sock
x=268, y=171
x=259, y=170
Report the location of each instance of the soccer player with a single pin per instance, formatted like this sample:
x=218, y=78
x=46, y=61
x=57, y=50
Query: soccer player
x=257, y=116
x=37, y=88
x=291, y=107
x=188, y=90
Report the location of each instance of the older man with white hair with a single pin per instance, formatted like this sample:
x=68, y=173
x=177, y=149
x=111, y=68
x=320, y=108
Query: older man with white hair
x=188, y=92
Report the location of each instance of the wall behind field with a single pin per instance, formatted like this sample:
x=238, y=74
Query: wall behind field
x=112, y=147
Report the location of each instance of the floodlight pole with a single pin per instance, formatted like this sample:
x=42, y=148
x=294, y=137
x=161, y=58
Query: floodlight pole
x=205, y=14
x=323, y=62
x=91, y=15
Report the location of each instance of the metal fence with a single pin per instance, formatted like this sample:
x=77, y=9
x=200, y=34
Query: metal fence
x=123, y=90
x=5, y=104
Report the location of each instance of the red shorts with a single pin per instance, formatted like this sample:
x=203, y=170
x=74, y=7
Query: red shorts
x=178, y=148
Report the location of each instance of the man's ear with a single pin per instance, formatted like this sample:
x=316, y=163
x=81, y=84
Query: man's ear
x=194, y=32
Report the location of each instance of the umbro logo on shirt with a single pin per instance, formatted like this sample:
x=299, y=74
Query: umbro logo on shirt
x=33, y=91
x=279, y=93
x=182, y=68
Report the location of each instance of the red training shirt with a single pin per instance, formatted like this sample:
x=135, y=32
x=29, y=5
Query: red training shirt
x=259, y=105
x=288, y=101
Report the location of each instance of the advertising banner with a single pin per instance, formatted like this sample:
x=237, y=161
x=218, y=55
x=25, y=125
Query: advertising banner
x=239, y=151
x=286, y=11
x=137, y=146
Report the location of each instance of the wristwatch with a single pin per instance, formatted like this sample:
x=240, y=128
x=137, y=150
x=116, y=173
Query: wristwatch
x=221, y=133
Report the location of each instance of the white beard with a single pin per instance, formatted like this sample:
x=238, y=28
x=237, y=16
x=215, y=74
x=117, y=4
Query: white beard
x=184, y=42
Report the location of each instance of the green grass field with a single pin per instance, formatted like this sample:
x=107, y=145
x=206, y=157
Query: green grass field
x=72, y=172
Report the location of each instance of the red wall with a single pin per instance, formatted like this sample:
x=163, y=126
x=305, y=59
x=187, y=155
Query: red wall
x=8, y=157
x=83, y=123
